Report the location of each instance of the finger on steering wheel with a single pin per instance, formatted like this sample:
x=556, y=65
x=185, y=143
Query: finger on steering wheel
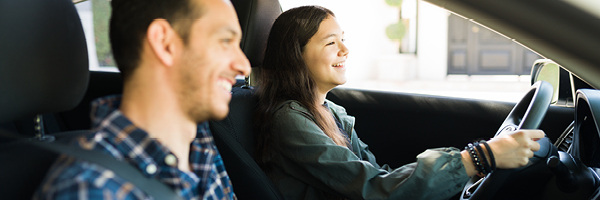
x=534, y=146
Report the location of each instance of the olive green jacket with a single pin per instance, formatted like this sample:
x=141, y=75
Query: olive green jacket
x=309, y=165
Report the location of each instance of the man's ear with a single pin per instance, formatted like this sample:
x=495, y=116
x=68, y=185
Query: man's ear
x=163, y=40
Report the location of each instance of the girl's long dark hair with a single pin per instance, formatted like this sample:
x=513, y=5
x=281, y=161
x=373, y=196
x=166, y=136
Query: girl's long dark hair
x=285, y=76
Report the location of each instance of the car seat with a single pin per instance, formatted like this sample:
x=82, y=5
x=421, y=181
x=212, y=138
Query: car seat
x=234, y=135
x=43, y=69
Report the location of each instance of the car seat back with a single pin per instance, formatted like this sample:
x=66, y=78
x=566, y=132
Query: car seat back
x=43, y=69
x=235, y=139
x=234, y=135
x=43, y=57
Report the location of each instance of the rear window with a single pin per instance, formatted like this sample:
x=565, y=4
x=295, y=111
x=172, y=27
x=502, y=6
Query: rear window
x=95, y=16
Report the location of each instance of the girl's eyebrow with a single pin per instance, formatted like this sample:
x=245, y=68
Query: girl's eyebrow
x=331, y=35
x=328, y=36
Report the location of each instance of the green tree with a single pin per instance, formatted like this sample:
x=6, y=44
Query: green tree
x=394, y=3
x=102, y=10
x=396, y=31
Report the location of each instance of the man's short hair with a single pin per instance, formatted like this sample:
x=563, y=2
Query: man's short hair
x=130, y=20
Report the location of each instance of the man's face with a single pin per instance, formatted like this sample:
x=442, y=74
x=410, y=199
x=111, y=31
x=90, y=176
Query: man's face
x=210, y=62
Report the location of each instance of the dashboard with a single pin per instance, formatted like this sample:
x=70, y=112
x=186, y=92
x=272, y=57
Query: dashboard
x=571, y=169
x=586, y=140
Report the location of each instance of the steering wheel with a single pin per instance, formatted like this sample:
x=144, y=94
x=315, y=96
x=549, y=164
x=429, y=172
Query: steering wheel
x=527, y=114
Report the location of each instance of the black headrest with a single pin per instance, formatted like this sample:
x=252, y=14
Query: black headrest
x=256, y=18
x=43, y=57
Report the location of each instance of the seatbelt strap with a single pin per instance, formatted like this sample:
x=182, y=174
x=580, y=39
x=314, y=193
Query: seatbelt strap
x=150, y=186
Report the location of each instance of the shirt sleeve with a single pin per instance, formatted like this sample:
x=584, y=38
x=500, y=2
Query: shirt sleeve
x=311, y=156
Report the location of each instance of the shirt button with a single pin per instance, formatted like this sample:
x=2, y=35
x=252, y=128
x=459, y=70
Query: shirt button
x=151, y=169
x=171, y=160
x=98, y=137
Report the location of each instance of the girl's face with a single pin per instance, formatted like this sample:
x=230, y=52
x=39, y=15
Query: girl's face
x=325, y=55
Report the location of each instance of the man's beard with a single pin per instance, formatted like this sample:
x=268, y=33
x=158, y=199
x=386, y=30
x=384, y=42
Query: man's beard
x=188, y=94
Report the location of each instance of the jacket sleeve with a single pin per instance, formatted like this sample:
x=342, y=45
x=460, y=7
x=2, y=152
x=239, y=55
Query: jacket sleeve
x=362, y=150
x=311, y=156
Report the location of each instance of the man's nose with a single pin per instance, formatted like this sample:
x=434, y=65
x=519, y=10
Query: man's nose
x=241, y=64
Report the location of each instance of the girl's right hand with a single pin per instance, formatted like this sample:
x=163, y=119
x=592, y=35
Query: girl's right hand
x=513, y=149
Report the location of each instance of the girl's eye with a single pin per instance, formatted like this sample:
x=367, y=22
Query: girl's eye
x=343, y=40
x=331, y=43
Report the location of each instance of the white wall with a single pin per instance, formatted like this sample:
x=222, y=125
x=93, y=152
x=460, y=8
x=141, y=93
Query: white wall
x=432, y=42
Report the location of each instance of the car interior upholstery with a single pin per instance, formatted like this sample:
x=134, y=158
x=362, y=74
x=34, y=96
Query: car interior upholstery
x=44, y=55
x=44, y=62
x=233, y=135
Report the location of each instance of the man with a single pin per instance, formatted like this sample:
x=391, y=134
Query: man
x=179, y=60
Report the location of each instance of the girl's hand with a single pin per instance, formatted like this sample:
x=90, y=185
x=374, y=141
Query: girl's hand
x=513, y=149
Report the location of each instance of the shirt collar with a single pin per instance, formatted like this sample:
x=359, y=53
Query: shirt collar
x=130, y=141
x=103, y=107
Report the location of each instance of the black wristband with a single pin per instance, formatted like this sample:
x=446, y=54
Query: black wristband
x=489, y=150
x=476, y=160
x=484, y=160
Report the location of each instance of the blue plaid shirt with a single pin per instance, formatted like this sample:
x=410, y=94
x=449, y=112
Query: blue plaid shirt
x=72, y=178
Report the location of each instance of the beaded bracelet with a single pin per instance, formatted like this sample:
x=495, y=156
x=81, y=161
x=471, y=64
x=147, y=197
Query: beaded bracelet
x=476, y=161
x=484, y=159
x=489, y=150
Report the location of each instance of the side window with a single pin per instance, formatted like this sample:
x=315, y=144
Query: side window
x=95, y=16
x=415, y=47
